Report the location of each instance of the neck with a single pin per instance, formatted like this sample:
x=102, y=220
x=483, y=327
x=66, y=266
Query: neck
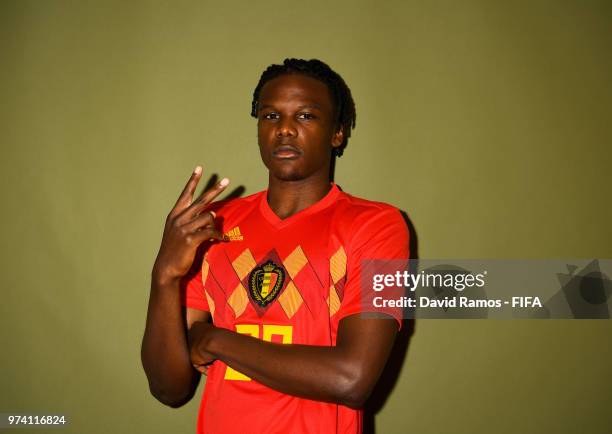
x=289, y=197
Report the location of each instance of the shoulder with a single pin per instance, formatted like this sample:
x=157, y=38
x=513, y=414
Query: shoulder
x=368, y=227
x=362, y=212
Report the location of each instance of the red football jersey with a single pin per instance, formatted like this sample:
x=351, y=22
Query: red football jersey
x=288, y=281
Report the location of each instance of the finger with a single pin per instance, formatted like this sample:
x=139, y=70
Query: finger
x=205, y=198
x=207, y=234
x=204, y=220
x=212, y=180
x=187, y=194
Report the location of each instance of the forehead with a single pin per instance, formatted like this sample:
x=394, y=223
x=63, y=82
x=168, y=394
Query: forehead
x=295, y=88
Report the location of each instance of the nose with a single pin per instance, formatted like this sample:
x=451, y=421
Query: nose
x=285, y=128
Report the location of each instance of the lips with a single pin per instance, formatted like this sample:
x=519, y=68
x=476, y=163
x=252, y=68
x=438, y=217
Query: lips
x=287, y=152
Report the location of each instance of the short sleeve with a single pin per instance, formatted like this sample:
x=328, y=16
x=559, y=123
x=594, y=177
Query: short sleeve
x=195, y=294
x=380, y=238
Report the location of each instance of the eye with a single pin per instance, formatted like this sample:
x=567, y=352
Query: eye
x=306, y=116
x=270, y=116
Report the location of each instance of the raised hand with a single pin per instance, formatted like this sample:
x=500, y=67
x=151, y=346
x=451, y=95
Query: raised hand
x=187, y=226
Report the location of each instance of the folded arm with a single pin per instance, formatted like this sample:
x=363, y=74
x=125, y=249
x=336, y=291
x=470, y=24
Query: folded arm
x=344, y=374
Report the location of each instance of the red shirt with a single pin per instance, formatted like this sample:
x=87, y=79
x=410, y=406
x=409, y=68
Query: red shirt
x=288, y=281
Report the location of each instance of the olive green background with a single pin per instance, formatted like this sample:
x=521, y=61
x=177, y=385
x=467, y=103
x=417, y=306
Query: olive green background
x=487, y=121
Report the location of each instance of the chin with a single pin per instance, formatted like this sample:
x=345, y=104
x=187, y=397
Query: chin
x=286, y=172
x=290, y=175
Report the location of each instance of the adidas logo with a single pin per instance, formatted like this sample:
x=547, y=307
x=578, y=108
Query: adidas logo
x=233, y=235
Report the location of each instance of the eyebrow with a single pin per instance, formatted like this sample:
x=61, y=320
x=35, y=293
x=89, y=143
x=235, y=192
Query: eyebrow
x=302, y=107
x=310, y=106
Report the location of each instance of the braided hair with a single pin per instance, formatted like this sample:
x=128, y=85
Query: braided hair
x=341, y=94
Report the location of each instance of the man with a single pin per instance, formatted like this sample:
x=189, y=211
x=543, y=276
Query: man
x=288, y=350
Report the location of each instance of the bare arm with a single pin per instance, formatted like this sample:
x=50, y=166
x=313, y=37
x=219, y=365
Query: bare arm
x=344, y=374
x=165, y=352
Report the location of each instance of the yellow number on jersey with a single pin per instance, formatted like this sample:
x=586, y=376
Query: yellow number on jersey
x=269, y=330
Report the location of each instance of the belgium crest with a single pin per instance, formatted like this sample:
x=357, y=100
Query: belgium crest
x=265, y=283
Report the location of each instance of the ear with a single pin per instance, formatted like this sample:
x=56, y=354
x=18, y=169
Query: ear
x=338, y=138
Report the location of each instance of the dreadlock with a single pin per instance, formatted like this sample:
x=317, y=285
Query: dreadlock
x=341, y=94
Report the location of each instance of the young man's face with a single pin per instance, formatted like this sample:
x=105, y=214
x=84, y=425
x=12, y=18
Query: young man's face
x=296, y=127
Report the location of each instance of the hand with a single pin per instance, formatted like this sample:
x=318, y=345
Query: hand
x=198, y=335
x=187, y=226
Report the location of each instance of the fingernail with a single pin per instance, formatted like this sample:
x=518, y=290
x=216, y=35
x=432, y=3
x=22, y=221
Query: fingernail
x=197, y=170
x=214, y=214
x=223, y=182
